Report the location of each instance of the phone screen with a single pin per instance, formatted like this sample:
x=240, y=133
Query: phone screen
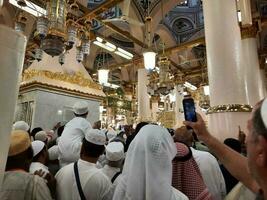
x=189, y=110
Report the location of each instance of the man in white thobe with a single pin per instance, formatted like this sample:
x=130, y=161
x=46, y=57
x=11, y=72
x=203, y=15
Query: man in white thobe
x=70, y=142
x=115, y=157
x=94, y=184
x=207, y=163
x=18, y=183
x=40, y=158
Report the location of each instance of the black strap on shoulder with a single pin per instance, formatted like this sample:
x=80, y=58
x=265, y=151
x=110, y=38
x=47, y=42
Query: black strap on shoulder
x=77, y=178
x=115, y=176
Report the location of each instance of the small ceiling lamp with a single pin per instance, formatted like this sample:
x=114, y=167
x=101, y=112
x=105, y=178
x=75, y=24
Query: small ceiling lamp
x=20, y=23
x=86, y=47
x=61, y=59
x=103, y=76
x=79, y=55
x=42, y=26
x=20, y=26
x=206, y=90
x=72, y=35
x=149, y=54
x=38, y=54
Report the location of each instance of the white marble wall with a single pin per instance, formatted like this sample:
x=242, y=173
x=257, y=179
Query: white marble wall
x=50, y=108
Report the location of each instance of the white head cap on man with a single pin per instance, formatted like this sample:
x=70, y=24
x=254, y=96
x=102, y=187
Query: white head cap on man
x=21, y=125
x=41, y=136
x=37, y=147
x=95, y=136
x=80, y=108
x=114, y=151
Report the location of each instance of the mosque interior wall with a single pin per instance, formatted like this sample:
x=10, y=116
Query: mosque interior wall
x=45, y=108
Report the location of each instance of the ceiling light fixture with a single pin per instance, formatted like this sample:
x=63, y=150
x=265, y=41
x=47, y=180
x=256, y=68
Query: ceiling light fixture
x=112, y=48
x=206, y=90
x=190, y=86
x=30, y=8
x=149, y=54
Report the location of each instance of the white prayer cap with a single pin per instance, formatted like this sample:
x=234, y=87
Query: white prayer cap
x=111, y=134
x=21, y=125
x=114, y=151
x=41, y=136
x=80, y=107
x=37, y=147
x=264, y=112
x=95, y=136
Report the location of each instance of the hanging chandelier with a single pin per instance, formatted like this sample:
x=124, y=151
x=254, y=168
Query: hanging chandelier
x=165, y=83
x=149, y=54
x=160, y=82
x=54, y=42
x=204, y=100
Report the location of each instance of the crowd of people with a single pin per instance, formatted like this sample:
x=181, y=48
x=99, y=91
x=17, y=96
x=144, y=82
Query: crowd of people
x=78, y=160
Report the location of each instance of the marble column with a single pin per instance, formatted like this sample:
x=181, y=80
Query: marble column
x=227, y=70
x=154, y=107
x=245, y=9
x=144, y=112
x=12, y=50
x=255, y=84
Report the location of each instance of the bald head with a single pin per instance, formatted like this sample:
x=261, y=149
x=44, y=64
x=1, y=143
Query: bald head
x=183, y=135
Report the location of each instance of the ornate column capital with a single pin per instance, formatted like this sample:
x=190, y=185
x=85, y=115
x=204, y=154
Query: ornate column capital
x=249, y=32
x=230, y=108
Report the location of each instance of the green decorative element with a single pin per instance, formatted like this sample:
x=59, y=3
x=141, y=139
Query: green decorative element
x=119, y=103
x=120, y=92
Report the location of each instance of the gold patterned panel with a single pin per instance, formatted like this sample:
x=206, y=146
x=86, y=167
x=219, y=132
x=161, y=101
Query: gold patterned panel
x=230, y=108
x=76, y=78
x=249, y=32
x=167, y=119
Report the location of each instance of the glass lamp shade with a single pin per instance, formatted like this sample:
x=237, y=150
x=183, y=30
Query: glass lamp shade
x=103, y=76
x=42, y=26
x=206, y=90
x=149, y=60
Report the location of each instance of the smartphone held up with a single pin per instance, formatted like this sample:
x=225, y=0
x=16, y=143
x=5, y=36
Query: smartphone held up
x=189, y=109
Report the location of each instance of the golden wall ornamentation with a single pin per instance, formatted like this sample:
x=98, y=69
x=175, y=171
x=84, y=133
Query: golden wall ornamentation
x=249, y=32
x=230, y=108
x=76, y=78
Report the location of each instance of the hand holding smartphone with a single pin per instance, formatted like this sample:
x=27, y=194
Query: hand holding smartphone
x=189, y=109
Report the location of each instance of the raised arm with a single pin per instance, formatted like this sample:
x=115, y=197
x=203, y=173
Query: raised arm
x=234, y=162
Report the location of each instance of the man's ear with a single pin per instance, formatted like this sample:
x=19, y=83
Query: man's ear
x=261, y=152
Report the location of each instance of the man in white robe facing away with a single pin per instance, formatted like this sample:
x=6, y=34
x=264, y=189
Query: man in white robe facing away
x=70, y=142
x=87, y=182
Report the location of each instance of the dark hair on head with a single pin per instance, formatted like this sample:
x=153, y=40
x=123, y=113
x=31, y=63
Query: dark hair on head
x=130, y=138
x=35, y=130
x=233, y=144
x=139, y=126
x=60, y=130
x=20, y=161
x=82, y=115
x=258, y=125
x=92, y=150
